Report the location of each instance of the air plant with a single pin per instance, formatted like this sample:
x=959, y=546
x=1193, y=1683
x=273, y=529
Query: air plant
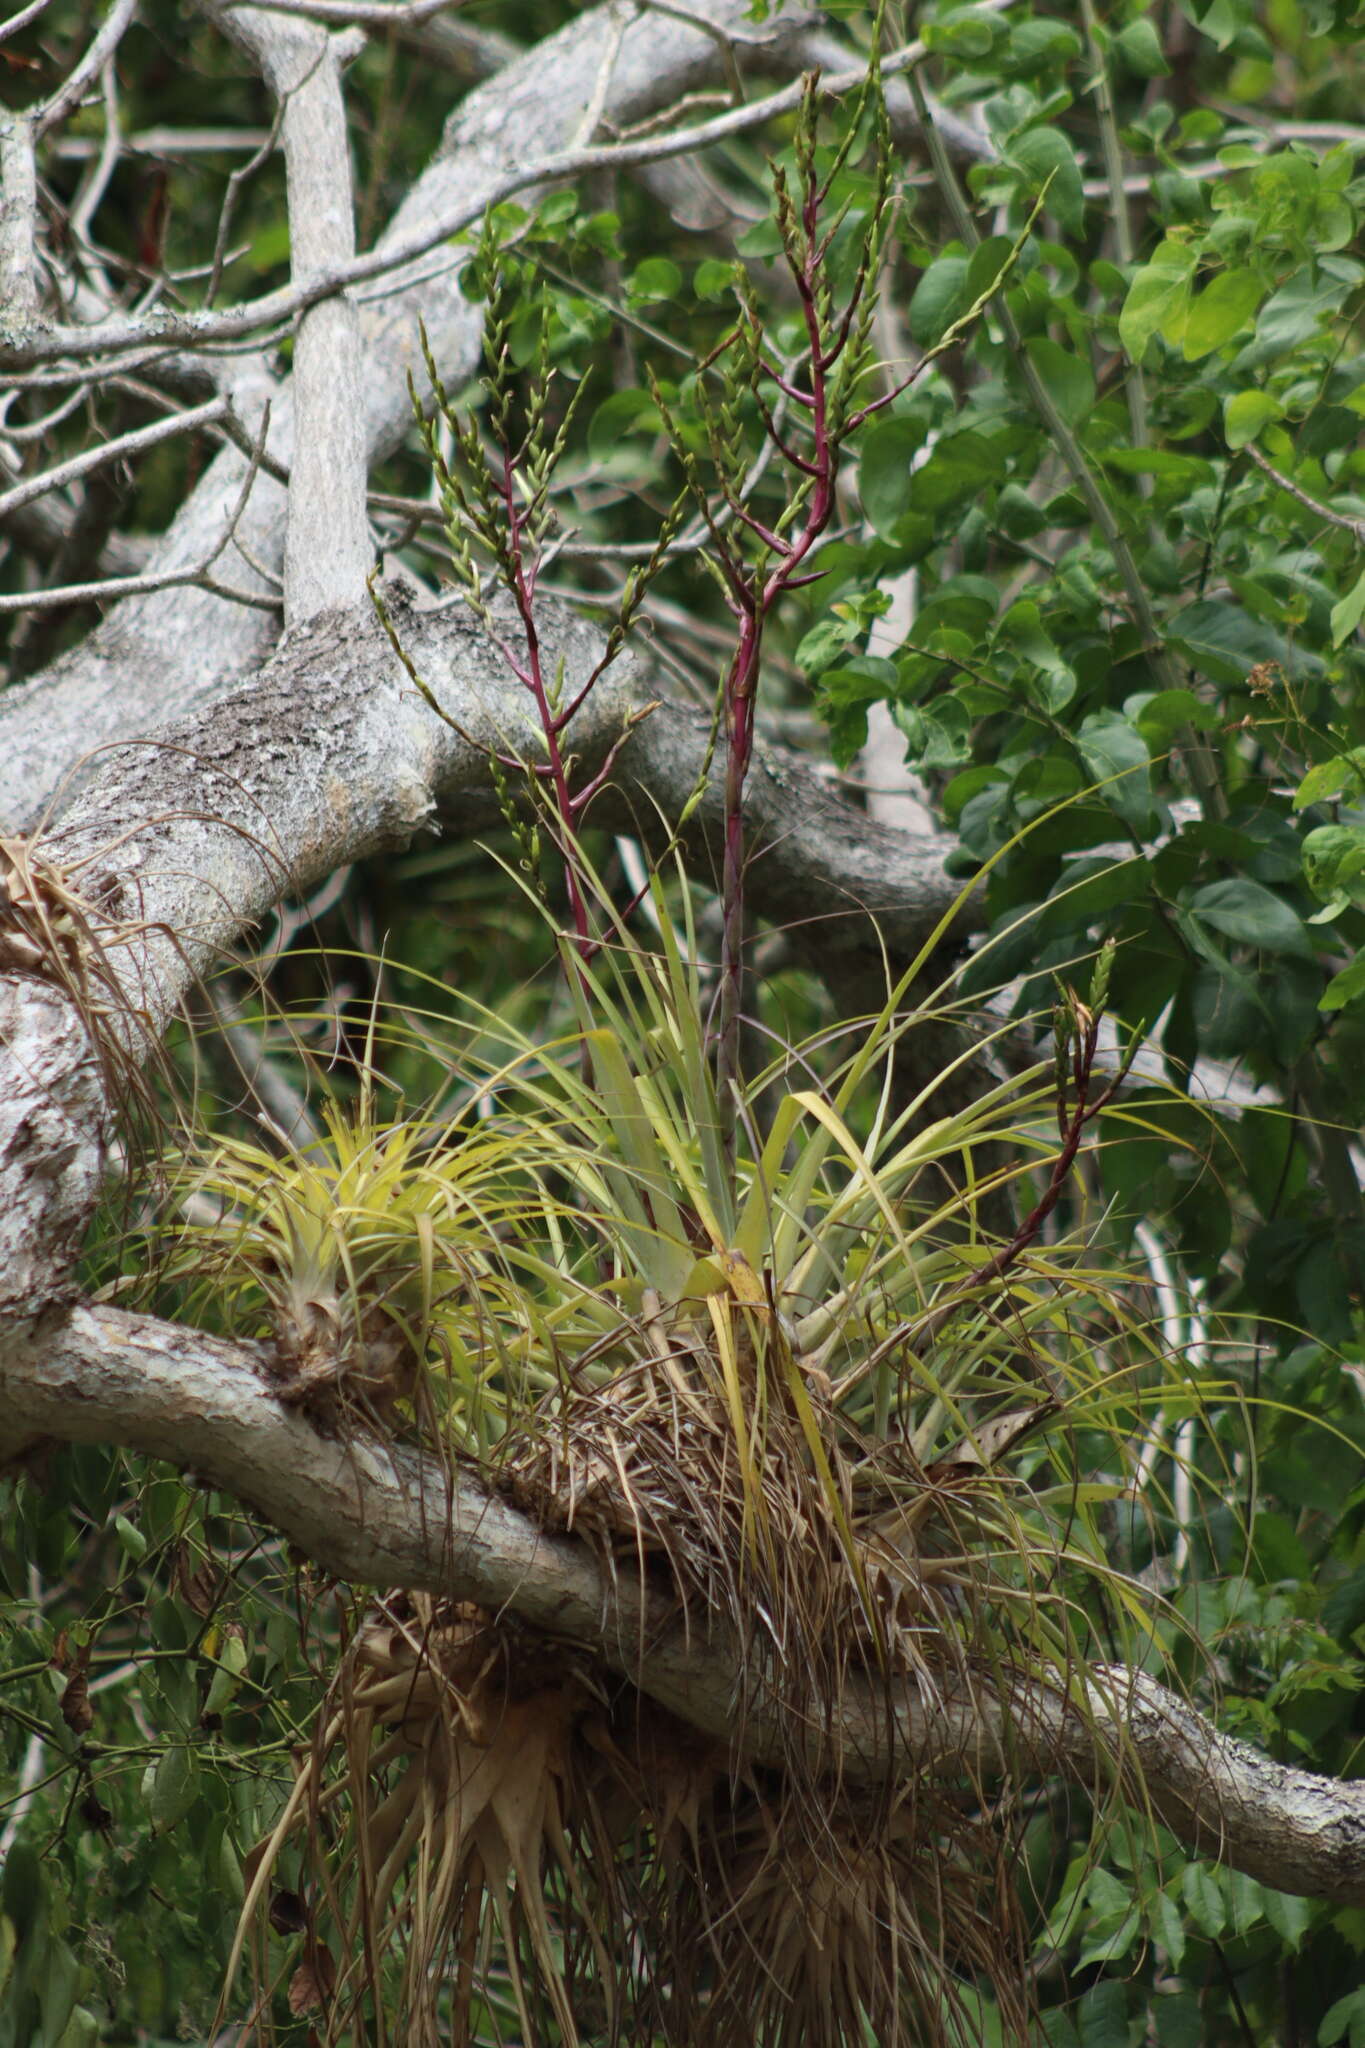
x=754, y=1337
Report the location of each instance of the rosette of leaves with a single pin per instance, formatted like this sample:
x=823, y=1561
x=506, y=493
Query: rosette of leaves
x=377, y=1262
x=804, y=1391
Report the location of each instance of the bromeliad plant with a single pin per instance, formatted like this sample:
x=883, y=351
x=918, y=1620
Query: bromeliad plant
x=802, y=1388
x=753, y=1336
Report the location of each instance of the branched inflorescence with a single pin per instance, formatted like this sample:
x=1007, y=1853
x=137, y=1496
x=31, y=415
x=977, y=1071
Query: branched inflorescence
x=498, y=522
x=810, y=407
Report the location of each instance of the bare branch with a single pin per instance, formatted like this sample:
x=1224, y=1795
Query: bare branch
x=18, y=215
x=164, y=579
x=134, y=443
x=352, y=13
x=177, y=649
x=15, y=22
x=48, y=524
x=72, y=89
x=195, y=329
x=95, y=186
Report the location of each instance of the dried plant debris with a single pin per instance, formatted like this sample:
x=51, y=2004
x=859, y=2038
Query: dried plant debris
x=53, y=931
x=515, y=1827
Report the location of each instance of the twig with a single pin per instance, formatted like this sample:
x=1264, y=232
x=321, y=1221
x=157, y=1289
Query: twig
x=22, y=19
x=236, y=180
x=70, y=92
x=83, y=212
x=113, y=451
x=1355, y=527
x=597, y=100
x=131, y=444
x=137, y=586
x=197, y=329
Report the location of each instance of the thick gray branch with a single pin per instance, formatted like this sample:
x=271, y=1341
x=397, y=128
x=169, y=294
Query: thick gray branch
x=385, y=1518
x=330, y=754
x=18, y=218
x=165, y=654
x=327, y=551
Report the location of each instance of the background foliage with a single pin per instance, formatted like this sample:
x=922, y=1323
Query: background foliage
x=1131, y=501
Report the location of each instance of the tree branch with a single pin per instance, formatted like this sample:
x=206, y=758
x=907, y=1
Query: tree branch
x=327, y=551
x=167, y=655
x=386, y=1517
x=182, y=842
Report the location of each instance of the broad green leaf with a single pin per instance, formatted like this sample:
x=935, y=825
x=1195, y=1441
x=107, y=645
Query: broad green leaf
x=654, y=281
x=1204, y=1897
x=1044, y=154
x=60, y=1982
x=966, y=34
x=1022, y=633
x=1111, y=1948
x=1037, y=45
x=1248, y=1901
x=1225, y=642
x=1102, y=2016
x=1222, y=21
x=1157, y=299
x=1017, y=515
x=1334, y=861
x=1291, y=1917
x=1116, y=754
x=1166, y=713
x=941, y=296
x=713, y=279
x=1296, y=311
x=625, y=412
x=1187, y=471
x=844, y=696
x=1179, y=2021
x=1343, y=775
x=1246, y=413
x=1346, y=615
x=1066, y=376
x=884, y=472
x=175, y=1787
x=1252, y=915
x=1169, y=1927
x=827, y=638
x=1140, y=47
x=1344, y=2020
x=957, y=469
x=1221, y=310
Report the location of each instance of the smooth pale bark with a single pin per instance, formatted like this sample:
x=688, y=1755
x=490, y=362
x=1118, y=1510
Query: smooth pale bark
x=165, y=654
x=381, y=1517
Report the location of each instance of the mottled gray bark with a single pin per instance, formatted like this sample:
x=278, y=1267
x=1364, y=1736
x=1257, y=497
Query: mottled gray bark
x=181, y=843
x=162, y=655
